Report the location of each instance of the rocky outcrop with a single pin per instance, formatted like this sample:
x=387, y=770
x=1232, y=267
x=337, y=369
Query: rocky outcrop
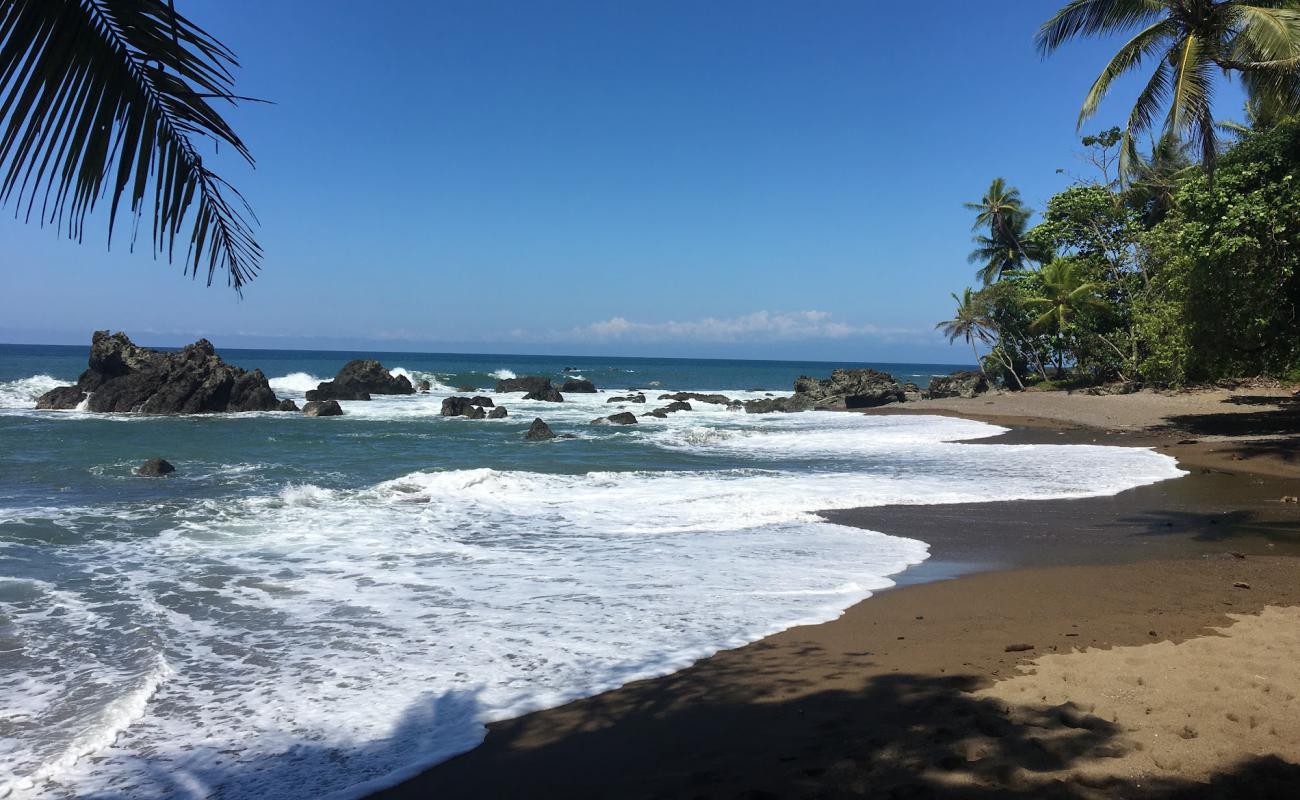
x=359, y=379
x=322, y=408
x=423, y=387
x=287, y=405
x=461, y=407
x=851, y=388
x=664, y=411
x=720, y=399
x=547, y=395
x=480, y=400
x=911, y=392
x=769, y=405
x=958, y=384
x=539, y=431
x=61, y=399
x=528, y=383
x=578, y=386
x=155, y=468
x=122, y=376
x=631, y=398
x=622, y=418
x=498, y=413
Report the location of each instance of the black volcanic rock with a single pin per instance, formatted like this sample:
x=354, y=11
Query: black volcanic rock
x=547, y=395
x=155, y=468
x=359, y=379
x=958, y=384
x=461, y=407
x=480, y=400
x=287, y=405
x=578, y=386
x=124, y=377
x=498, y=413
x=322, y=408
x=539, y=431
x=528, y=383
x=720, y=399
x=62, y=398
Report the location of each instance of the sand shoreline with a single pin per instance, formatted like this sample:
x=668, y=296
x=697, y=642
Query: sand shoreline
x=886, y=700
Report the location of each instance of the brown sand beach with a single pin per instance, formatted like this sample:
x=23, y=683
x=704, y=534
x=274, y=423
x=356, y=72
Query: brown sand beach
x=1139, y=645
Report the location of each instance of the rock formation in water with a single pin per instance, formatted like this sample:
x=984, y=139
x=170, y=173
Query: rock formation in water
x=322, y=408
x=155, y=468
x=122, y=376
x=845, y=388
x=498, y=413
x=578, y=386
x=359, y=379
x=461, y=407
x=539, y=431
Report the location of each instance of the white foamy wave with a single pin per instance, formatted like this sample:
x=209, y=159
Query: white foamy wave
x=23, y=392
x=503, y=374
x=295, y=382
x=415, y=376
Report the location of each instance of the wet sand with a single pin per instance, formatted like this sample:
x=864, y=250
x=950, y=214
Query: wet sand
x=919, y=691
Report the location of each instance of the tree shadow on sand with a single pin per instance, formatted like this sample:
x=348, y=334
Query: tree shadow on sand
x=718, y=732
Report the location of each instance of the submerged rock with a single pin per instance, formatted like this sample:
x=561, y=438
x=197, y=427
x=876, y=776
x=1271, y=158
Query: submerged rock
x=623, y=418
x=539, y=431
x=959, y=384
x=155, y=468
x=322, y=408
x=122, y=376
x=359, y=379
x=498, y=413
x=578, y=386
x=631, y=398
x=720, y=399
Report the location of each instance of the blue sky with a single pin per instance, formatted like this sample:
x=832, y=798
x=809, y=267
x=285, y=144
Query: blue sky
x=747, y=178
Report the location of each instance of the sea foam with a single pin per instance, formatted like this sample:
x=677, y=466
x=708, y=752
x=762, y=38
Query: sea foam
x=324, y=641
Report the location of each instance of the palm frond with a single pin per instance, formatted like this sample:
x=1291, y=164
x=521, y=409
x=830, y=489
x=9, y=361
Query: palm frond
x=1130, y=56
x=108, y=97
x=1090, y=17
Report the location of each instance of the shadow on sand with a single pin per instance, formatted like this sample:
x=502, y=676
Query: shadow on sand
x=717, y=733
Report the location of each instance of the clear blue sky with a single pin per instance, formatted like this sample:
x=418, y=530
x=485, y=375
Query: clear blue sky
x=725, y=178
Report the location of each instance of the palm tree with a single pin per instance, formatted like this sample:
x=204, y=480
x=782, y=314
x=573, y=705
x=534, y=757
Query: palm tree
x=109, y=98
x=968, y=323
x=1064, y=294
x=1188, y=40
x=1154, y=181
x=1003, y=249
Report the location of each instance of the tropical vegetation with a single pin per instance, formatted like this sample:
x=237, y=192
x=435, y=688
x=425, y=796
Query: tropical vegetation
x=1177, y=265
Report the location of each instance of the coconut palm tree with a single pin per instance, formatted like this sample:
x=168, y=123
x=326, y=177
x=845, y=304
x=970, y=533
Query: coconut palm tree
x=1188, y=41
x=967, y=323
x=1064, y=294
x=110, y=99
x=1003, y=249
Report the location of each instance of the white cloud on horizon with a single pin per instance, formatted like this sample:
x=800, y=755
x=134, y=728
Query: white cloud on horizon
x=759, y=326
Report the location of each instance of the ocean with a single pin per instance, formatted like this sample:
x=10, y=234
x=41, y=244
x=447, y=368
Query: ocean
x=318, y=607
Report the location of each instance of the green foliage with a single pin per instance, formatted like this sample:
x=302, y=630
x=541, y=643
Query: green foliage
x=1226, y=261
